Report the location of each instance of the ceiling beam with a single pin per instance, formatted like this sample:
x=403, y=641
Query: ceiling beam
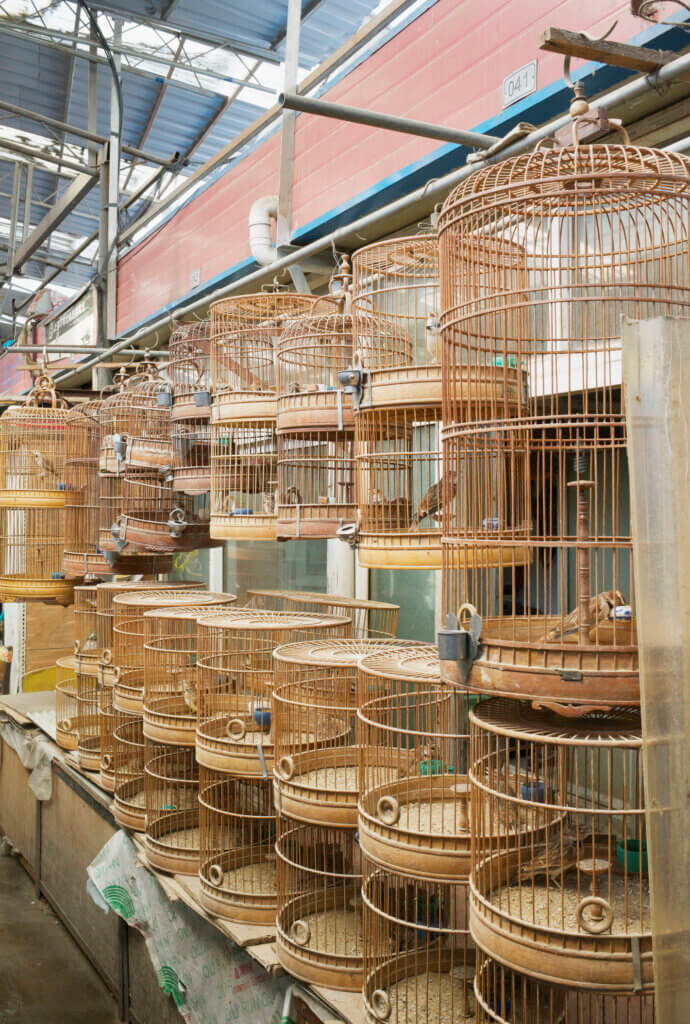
x=70, y=198
x=38, y=154
x=604, y=51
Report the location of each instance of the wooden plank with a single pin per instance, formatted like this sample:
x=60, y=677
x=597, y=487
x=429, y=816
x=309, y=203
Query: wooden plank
x=604, y=51
x=17, y=804
x=20, y=705
x=346, y=1004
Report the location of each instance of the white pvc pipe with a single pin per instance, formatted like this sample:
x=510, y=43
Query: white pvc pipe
x=262, y=213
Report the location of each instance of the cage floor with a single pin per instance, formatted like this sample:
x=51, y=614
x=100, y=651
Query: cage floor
x=251, y=879
x=553, y=907
x=433, y=998
x=337, y=932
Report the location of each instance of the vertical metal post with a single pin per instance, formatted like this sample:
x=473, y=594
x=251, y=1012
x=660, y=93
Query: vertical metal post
x=93, y=96
x=28, y=187
x=287, y=125
x=102, y=250
x=14, y=214
x=113, y=196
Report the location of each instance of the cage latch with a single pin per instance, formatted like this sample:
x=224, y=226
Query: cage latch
x=352, y=381
x=570, y=675
x=202, y=398
x=164, y=398
x=460, y=645
x=177, y=523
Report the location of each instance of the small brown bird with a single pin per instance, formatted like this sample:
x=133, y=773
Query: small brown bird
x=432, y=502
x=600, y=608
x=43, y=464
x=189, y=694
x=293, y=496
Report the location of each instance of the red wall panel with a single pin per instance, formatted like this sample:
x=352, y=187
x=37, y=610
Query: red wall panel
x=447, y=66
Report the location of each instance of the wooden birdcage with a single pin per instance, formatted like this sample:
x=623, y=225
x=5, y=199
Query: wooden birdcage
x=109, y=719
x=191, y=442
x=79, y=677
x=66, y=735
x=237, y=867
x=170, y=677
x=90, y=686
x=541, y=258
x=244, y=480
x=503, y=996
x=419, y=958
x=86, y=616
x=319, y=919
x=244, y=333
x=400, y=489
x=370, y=619
x=396, y=311
x=414, y=811
x=32, y=498
x=135, y=424
x=315, y=696
x=188, y=370
x=235, y=679
x=107, y=592
x=172, y=808
x=397, y=668
x=129, y=636
x=571, y=904
x=316, y=483
x=129, y=761
x=157, y=518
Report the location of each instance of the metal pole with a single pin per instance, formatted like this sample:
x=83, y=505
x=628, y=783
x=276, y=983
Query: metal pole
x=76, y=349
x=14, y=214
x=93, y=93
x=403, y=211
x=91, y=134
x=293, y=101
x=49, y=158
x=28, y=188
x=113, y=193
x=287, y=125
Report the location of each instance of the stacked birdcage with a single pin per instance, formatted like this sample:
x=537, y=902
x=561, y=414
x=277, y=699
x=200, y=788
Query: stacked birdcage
x=32, y=497
x=86, y=616
x=414, y=832
x=106, y=594
x=235, y=748
x=129, y=773
x=244, y=450
x=316, y=784
x=370, y=619
x=189, y=375
x=397, y=385
x=542, y=256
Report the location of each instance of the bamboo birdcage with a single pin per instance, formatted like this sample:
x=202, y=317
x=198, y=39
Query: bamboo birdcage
x=170, y=675
x=86, y=616
x=504, y=996
x=129, y=762
x=316, y=482
x=189, y=349
x=66, y=735
x=107, y=592
x=397, y=668
x=237, y=867
x=541, y=257
x=171, y=779
x=235, y=731
x=319, y=917
x=316, y=696
x=396, y=310
x=191, y=443
x=32, y=497
x=419, y=958
x=157, y=518
x=109, y=719
x=129, y=636
x=244, y=332
x=135, y=424
x=89, y=700
x=370, y=619
x=570, y=905
x=244, y=480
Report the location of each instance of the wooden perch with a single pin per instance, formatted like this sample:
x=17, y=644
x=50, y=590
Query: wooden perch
x=604, y=51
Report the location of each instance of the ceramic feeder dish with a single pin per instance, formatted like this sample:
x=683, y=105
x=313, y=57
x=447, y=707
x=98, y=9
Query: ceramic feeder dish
x=316, y=695
x=570, y=902
x=319, y=936
x=542, y=256
x=235, y=730
x=237, y=869
x=419, y=958
x=370, y=619
x=170, y=673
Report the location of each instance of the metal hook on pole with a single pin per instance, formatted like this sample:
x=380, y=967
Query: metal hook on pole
x=566, y=60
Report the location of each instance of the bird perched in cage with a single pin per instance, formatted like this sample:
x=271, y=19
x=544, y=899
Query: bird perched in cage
x=43, y=464
x=600, y=608
x=293, y=496
x=432, y=502
x=204, y=515
x=269, y=503
x=189, y=695
x=433, y=336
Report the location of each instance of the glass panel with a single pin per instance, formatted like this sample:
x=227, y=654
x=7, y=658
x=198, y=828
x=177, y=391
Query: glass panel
x=413, y=590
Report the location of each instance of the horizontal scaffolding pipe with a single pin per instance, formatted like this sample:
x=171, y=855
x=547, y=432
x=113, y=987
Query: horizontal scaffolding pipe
x=83, y=133
x=50, y=158
x=293, y=101
x=430, y=194
x=102, y=350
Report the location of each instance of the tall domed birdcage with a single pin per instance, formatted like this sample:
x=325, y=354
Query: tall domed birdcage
x=32, y=497
x=188, y=370
x=542, y=256
x=244, y=451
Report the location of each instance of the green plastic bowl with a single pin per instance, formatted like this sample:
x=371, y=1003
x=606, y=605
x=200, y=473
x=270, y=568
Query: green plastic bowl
x=629, y=855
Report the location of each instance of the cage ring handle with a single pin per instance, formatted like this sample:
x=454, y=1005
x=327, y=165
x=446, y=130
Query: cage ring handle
x=106, y=762
x=66, y=725
x=216, y=875
x=77, y=647
x=117, y=674
x=466, y=609
x=286, y=766
x=388, y=810
x=300, y=932
x=236, y=729
x=107, y=657
x=594, y=927
x=614, y=122
x=381, y=1004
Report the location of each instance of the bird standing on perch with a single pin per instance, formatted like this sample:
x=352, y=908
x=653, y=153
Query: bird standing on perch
x=433, y=334
x=433, y=501
x=600, y=608
x=189, y=694
x=43, y=464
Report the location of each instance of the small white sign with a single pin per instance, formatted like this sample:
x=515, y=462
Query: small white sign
x=519, y=84
x=195, y=278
